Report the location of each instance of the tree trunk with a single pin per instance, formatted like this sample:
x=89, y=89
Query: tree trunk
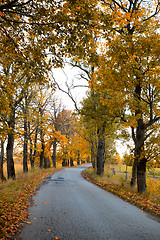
x=101, y=149
x=48, y=163
x=64, y=163
x=141, y=175
x=71, y=162
x=78, y=158
x=43, y=160
x=93, y=156
x=141, y=161
x=31, y=146
x=139, y=138
x=42, y=157
x=100, y=154
x=134, y=173
x=35, y=146
x=2, y=177
x=10, y=145
x=54, y=152
x=25, y=144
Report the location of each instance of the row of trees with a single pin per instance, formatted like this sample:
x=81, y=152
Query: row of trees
x=36, y=126
x=117, y=40
x=123, y=74
x=34, y=36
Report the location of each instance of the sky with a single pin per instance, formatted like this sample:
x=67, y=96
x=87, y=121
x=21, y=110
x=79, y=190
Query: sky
x=70, y=76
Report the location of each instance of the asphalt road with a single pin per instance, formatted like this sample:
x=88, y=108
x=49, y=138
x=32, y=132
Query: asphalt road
x=67, y=207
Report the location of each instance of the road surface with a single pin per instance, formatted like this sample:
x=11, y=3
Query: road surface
x=67, y=207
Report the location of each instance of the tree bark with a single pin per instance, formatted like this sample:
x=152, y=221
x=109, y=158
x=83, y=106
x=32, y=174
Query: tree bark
x=54, y=152
x=100, y=153
x=71, y=162
x=43, y=160
x=42, y=157
x=78, y=158
x=93, y=156
x=35, y=147
x=141, y=175
x=139, y=138
x=31, y=146
x=10, y=145
x=134, y=173
x=64, y=163
x=2, y=177
x=25, y=144
x=101, y=149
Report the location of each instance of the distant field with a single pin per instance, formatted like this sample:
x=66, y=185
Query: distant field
x=19, y=167
x=122, y=170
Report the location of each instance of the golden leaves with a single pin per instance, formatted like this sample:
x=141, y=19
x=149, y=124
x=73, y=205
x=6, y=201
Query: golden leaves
x=28, y=222
x=14, y=200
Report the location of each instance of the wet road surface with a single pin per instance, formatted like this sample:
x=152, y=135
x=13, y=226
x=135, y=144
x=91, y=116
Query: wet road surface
x=67, y=207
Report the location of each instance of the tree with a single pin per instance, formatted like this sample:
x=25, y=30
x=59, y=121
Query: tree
x=29, y=28
x=129, y=70
x=55, y=111
x=13, y=96
x=128, y=159
x=96, y=112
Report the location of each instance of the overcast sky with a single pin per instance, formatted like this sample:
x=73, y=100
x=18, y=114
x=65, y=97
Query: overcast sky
x=71, y=76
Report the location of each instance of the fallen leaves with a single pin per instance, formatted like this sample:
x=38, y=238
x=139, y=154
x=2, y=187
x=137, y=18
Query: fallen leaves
x=28, y=222
x=146, y=202
x=14, y=200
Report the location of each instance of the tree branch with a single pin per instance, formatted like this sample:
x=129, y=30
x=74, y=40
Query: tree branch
x=68, y=92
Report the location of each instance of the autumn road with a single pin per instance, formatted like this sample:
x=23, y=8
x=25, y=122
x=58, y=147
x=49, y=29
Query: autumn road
x=67, y=207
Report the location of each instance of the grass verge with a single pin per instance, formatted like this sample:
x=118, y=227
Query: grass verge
x=15, y=198
x=148, y=201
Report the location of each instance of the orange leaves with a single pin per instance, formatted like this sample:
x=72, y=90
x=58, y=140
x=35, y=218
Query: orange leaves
x=28, y=222
x=14, y=200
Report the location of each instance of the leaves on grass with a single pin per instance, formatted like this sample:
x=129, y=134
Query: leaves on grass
x=149, y=201
x=14, y=201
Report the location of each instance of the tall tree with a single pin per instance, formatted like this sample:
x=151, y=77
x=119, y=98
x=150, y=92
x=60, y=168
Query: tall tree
x=129, y=70
x=97, y=114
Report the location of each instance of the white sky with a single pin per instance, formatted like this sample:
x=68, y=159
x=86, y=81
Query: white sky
x=70, y=76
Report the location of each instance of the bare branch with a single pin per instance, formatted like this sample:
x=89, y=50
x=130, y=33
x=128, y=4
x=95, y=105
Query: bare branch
x=68, y=92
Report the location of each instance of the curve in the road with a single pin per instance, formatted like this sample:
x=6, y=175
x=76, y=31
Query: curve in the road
x=68, y=207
